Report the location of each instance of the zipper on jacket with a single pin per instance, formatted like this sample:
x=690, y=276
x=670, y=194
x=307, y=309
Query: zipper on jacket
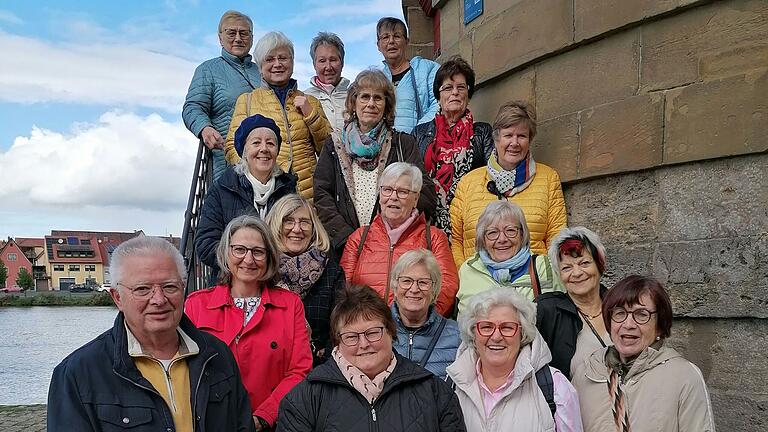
x=410, y=345
x=288, y=129
x=373, y=413
x=151, y=390
x=169, y=384
x=197, y=387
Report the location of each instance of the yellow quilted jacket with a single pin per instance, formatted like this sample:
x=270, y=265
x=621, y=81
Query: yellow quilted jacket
x=302, y=140
x=542, y=203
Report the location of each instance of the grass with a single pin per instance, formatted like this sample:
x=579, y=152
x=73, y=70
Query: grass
x=97, y=299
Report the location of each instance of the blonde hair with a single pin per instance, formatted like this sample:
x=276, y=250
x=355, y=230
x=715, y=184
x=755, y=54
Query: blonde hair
x=283, y=208
x=513, y=113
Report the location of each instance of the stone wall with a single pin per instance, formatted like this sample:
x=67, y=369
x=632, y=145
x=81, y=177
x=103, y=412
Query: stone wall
x=655, y=114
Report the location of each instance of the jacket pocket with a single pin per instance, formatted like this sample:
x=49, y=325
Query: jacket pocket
x=117, y=417
x=219, y=391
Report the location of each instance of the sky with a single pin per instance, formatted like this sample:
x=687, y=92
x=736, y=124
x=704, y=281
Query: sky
x=91, y=135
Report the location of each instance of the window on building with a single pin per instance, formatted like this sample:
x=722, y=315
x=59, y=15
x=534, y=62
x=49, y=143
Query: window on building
x=58, y=267
x=90, y=267
x=85, y=241
x=74, y=267
x=12, y=257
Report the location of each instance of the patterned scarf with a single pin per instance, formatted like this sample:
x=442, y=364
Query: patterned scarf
x=369, y=388
x=364, y=148
x=249, y=305
x=615, y=392
x=512, y=182
x=509, y=270
x=447, y=159
x=299, y=273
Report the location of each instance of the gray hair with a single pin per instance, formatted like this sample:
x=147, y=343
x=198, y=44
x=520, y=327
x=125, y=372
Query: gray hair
x=233, y=14
x=589, y=240
x=269, y=42
x=480, y=305
x=144, y=246
x=241, y=167
x=327, y=38
x=394, y=171
x=496, y=211
x=254, y=223
x=415, y=257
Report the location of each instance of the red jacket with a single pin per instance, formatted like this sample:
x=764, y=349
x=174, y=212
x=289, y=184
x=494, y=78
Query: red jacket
x=272, y=351
x=378, y=257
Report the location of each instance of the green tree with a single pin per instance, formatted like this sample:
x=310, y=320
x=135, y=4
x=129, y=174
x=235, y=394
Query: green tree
x=25, y=280
x=3, y=274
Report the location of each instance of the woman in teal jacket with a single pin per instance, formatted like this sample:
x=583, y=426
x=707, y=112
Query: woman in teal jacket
x=218, y=82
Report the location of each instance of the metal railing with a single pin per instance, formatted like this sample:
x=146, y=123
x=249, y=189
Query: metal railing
x=198, y=274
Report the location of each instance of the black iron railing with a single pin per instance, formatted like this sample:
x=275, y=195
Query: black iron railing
x=198, y=274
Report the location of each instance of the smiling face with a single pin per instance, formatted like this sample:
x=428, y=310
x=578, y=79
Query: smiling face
x=246, y=269
x=580, y=274
x=328, y=64
x=369, y=108
x=504, y=247
x=454, y=96
x=297, y=231
x=277, y=66
x=236, y=44
x=260, y=152
x=413, y=301
x=370, y=357
x=497, y=351
x=396, y=210
x=159, y=313
x=512, y=145
x=631, y=338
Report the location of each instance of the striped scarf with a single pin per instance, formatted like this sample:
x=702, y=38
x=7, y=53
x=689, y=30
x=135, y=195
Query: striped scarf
x=618, y=403
x=509, y=183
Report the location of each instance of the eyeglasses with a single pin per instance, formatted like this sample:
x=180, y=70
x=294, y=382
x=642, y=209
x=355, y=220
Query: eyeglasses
x=487, y=328
x=461, y=88
x=304, y=224
x=280, y=59
x=144, y=291
x=373, y=334
x=406, y=283
x=232, y=33
x=510, y=232
x=641, y=316
x=366, y=98
x=240, y=251
x=401, y=193
x=397, y=37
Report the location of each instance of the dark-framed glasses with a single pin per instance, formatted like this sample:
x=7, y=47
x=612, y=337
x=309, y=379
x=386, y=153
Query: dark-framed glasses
x=147, y=290
x=506, y=328
x=406, y=283
x=401, y=193
x=510, y=232
x=290, y=223
x=240, y=251
x=373, y=334
x=641, y=316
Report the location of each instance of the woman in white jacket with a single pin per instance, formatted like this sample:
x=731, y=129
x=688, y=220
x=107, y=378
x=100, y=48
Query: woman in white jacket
x=328, y=86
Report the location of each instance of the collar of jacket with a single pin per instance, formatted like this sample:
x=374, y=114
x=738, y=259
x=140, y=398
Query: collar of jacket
x=240, y=185
x=598, y=370
x=563, y=300
x=419, y=222
x=245, y=61
x=222, y=297
x=293, y=85
x=425, y=328
x=414, y=62
x=342, y=86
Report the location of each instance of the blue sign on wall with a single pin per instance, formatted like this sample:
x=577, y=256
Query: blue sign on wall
x=472, y=10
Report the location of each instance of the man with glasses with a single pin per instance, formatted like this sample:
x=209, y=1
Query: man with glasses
x=413, y=79
x=218, y=82
x=153, y=370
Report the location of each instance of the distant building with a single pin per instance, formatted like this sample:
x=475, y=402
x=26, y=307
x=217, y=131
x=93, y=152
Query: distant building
x=13, y=258
x=34, y=250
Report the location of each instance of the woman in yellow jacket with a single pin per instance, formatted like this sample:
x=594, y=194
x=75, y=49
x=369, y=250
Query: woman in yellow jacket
x=511, y=174
x=302, y=122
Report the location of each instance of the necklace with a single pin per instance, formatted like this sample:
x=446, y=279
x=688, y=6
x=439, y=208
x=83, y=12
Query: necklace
x=588, y=315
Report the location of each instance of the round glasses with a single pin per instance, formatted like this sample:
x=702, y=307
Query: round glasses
x=510, y=232
x=373, y=334
x=406, y=283
x=641, y=316
x=487, y=328
x=240, y=251
x=304, y=224
x=144, y=291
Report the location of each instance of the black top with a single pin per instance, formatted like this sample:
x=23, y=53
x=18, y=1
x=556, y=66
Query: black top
x=397, y=77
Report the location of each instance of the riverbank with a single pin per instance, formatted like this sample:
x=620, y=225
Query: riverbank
x=23, y=418
x=56, y=298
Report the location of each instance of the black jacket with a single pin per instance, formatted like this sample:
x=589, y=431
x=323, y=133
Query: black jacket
x=333, y=201
x=231, y=197
x=482, y=141
x=559, y=323
x=318, y=304
x=412, y=400
x=98, y=388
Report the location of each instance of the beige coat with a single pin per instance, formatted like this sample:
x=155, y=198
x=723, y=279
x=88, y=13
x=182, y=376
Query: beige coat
x=665, y=393
x=522, y=408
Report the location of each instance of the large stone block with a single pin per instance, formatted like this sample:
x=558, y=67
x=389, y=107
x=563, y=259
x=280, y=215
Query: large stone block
x=557, y=145
x=519, y=34
x=463, y=48
x=420, y=28
x=451, y=26
x=595, y=17
x=622, y=136
x=708, y=39
x=718, y=118
x=487, y=100
x=596, y=74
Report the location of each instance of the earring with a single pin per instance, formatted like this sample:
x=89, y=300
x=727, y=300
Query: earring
x=658, y=337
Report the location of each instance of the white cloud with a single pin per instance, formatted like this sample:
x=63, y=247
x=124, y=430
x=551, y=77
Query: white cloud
x=124, y=172
x=10, y=17
x=317, y=9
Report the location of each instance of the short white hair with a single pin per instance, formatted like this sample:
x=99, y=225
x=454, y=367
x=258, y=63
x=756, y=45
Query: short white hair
x=144, y=246
x=412, y=258
x=496, y=211
x=394, y=171
x=269, y=42
x=480, y=304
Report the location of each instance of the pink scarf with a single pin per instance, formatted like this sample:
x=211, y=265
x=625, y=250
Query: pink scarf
x=396, y=233
x=328, y=88
x=369, y=388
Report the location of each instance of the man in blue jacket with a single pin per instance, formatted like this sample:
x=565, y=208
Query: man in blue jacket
x=153, y=371
x=218, y=82
x=415, y=101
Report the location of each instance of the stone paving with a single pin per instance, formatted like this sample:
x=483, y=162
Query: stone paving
x=22, y=418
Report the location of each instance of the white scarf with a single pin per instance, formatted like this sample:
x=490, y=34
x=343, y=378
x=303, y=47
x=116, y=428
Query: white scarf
x=261, y=192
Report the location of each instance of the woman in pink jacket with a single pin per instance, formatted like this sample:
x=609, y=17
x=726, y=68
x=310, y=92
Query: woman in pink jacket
x=264, y=326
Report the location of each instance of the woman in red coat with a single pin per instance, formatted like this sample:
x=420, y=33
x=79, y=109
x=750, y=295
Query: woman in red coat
x=372, y=251
x=264, y=326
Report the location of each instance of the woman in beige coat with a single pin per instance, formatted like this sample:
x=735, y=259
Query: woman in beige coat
x=639, y=384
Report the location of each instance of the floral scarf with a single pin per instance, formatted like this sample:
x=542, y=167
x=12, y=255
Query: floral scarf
x=299, y=273
x=447, y=158
x=507, y=271
x=369, y=388
x=509, y=183
x=364, y=148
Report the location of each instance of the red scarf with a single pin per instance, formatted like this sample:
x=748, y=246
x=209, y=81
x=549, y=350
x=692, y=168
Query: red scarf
x=441, y=156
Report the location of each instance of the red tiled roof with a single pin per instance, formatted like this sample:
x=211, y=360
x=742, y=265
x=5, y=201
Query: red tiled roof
x=30, y=242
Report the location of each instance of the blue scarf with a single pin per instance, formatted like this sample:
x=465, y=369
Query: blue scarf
x=364, y=148
x=507, y=271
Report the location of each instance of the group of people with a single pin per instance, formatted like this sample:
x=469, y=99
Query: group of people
x=383, y=262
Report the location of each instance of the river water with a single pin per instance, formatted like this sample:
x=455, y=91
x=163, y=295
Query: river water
x=33, y=340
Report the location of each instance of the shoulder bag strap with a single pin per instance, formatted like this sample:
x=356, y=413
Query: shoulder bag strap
x=547, y=386
x=362, y=241
x=433, y=342
x=248, y=106
x=535, y=282
x=416, y=94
